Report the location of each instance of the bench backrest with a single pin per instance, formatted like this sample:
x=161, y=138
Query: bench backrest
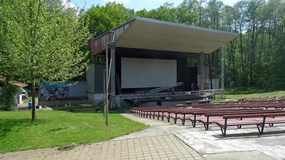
x=273, y=114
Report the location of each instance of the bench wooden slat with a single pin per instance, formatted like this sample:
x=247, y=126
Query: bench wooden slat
x=251, y=119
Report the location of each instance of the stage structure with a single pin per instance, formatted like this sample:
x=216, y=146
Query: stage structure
x=149, y=60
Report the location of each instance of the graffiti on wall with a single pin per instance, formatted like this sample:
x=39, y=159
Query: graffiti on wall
x=50, y=91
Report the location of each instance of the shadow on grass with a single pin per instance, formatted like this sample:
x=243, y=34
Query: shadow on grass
x=77, y=108
x=90, y=109
x=16, y=125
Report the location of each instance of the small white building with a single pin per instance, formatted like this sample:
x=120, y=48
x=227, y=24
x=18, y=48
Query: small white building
x=20, y=96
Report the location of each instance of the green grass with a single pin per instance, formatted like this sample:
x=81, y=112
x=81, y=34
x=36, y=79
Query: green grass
x=249, y=90
x=78, y=108
x=58, y=128
x=228, y=96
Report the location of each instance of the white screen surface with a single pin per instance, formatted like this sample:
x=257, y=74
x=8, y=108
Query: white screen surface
x=144, y=73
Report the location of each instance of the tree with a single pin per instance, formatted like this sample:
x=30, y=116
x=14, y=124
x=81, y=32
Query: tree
x=42, y=42
x=214, y=13
x=165, y=12
x=7, y=96
x=104, y=18
x=187, y=12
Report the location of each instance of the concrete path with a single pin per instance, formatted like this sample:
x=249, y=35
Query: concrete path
x=154, y=143
x=240, y=144
x=164, y=140
x=165, y=147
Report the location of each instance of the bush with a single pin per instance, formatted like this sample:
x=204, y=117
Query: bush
x=8, y=97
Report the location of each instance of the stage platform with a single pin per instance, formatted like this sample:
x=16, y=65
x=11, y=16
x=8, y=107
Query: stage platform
x=164, y=98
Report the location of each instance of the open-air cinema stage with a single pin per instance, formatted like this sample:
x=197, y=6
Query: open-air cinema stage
x=148, y=61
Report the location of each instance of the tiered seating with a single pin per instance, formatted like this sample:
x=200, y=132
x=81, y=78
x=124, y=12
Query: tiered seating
x=239, y=113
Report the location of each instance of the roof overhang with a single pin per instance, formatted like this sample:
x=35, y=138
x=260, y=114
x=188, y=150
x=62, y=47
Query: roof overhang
x=15, y=83
x=145, y=33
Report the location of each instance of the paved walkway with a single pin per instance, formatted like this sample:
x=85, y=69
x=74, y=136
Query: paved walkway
x=166, y=147
x=154, y=143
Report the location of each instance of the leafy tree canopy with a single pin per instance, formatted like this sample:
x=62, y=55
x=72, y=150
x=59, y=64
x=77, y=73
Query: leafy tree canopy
x=41, y=41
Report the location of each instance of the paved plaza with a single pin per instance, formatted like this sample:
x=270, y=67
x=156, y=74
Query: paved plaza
x=152, y=148
x=164, y=140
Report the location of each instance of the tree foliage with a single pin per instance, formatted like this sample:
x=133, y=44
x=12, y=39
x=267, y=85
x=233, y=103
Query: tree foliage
x=7, y=97
x=256, y=58
x=104, y=18
x=41, y=41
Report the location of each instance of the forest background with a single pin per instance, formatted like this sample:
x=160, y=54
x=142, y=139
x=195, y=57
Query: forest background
x=256, y=58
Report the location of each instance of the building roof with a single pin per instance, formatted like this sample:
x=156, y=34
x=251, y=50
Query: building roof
x=151, y=34
x=18, y=84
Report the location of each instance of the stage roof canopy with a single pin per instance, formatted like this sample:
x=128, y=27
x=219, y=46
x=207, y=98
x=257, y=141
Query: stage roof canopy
x=151, y=34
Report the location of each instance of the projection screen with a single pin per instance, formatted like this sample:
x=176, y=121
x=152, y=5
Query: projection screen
x=147, y=73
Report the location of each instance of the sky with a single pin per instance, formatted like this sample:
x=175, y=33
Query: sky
x=133, y=4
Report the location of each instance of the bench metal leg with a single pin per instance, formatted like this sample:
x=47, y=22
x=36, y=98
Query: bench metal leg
x=183, y=120
x=207, y=124
x=224, y=128
x=261, y=126
x=194, y=121
x=175, y=119
x=168, y=118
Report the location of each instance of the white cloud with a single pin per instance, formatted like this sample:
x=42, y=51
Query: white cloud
x=118, y=1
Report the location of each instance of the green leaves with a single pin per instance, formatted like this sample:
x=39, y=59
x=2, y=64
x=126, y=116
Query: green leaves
x=104, y=18
x=44, y=41
x=7, y=97
x=41, y=42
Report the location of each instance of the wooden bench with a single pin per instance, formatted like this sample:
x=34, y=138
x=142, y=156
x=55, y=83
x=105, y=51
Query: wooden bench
x=198, y=114
x=260, y=120
x=192, y=113
x=212, y=117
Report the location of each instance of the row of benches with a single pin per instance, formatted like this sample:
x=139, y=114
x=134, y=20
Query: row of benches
x=247, y=101
x=223, y=116
x=262, y=98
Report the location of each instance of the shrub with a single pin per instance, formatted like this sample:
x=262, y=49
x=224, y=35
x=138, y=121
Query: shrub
x=8, y=97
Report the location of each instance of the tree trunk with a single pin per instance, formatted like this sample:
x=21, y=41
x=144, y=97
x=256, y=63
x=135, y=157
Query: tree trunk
x=252, y=56
x=33, y=100
x=200, y=14
x=262, y=47
x=234, y=62
x=242, y=56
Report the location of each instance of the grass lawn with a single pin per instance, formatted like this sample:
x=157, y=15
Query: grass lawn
x=253, y=95
x=58, y=128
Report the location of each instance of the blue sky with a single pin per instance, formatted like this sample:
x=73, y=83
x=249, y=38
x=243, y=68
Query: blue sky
x=135, y=4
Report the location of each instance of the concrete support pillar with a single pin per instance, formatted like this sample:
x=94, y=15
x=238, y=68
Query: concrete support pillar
x=113, y=70
x=106, y=108
x=202, y=77
x=223, y=71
